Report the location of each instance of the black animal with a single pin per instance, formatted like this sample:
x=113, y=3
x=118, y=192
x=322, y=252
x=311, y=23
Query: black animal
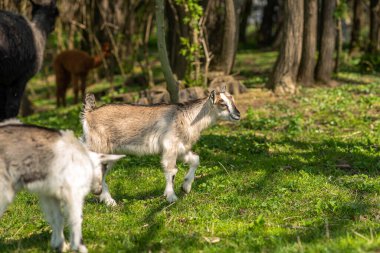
x=22, y=44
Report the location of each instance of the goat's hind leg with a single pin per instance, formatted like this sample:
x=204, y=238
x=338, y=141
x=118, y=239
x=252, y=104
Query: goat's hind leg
x=105, y=196
x=192, y=160
x=73, y=208
x=52, y=210
x=6, y=195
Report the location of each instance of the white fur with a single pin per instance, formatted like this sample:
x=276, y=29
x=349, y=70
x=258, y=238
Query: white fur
x=73, y=173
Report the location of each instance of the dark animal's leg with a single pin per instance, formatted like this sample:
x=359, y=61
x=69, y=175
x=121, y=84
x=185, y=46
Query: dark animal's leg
x=75, y=80
x=83, y=86
x=3, y=100
x=14, y=96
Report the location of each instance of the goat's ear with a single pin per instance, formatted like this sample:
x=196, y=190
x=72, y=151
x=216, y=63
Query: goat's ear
x=212, y=97
x=107, y=158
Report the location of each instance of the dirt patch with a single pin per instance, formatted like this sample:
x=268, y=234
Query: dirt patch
x=255, y=98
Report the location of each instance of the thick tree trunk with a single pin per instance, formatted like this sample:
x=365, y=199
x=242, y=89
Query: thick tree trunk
x=284, y=75
x=309, y=45
x=246, y=12
x=171, y=84
x=229, y=38
x=358, y=8
x=374, y=31
x=325, y=65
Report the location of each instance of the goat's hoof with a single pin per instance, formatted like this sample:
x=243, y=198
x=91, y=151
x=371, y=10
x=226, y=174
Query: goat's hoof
x=82, y=249
x=186, y=187
x=108, y=200
x=171, y=198
x=63, y=247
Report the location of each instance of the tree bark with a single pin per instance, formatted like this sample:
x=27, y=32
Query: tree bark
x=309, y=45
x=374, y=31
x=358, y=8
x=284, y=75
x=325, y=65
x=229, y=38
x=171, y=84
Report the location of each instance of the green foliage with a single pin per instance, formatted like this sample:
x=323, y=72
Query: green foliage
x=191, y=47
x=370, y=63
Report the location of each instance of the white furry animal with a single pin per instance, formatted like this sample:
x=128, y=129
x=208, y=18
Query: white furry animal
x=57, y=167
x=169, y=130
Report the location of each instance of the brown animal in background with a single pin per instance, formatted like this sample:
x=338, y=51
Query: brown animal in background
x=72, y=66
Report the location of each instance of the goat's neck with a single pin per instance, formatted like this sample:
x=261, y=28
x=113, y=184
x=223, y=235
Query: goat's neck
x=200, y=116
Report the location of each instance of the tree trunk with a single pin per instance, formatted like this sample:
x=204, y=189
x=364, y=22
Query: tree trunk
x=284, y=75
x=325, y=65
x=176, y=30
x=229, y=38
x=309, y=46
x=246, y=12
x=374, y=31
x=358, y=8
x=265, y=37
x=171, y=84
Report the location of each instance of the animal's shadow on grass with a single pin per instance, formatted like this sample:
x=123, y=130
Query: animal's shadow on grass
x=38, y=241
x=330, y=158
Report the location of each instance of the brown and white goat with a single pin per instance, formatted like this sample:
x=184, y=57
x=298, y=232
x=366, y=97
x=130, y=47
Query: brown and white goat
x=72, y=66
x=57, y=167
x=166, y=129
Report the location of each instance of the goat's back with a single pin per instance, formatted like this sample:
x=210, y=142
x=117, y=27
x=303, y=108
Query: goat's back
x=17, y=47
x=111, y=127
x=34, y=154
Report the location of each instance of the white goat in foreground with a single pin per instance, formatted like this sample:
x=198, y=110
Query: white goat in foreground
x=169, y=130
x=56, y=166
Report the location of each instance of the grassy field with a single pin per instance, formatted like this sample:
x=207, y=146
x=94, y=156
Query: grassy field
x=297, y=174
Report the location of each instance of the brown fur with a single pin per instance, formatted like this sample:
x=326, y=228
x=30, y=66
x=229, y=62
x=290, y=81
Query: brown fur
x=72, y=66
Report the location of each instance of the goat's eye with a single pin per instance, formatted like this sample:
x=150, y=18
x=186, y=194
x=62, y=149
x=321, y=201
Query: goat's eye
x=223, y=104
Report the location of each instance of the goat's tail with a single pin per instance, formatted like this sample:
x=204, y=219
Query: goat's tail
x=89, y=103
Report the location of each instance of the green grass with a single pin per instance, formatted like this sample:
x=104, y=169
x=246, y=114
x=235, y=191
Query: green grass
x=298, y=174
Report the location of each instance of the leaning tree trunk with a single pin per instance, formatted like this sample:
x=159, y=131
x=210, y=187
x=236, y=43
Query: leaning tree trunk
x=229, y=38
x=358, y=8
x=374, y=31
x=325, y=65
x=309, y=46
x=171, y=84
x=284, y=75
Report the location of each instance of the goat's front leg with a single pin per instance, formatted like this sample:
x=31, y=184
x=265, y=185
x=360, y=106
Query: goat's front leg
x=169, y=164
x=192, y=160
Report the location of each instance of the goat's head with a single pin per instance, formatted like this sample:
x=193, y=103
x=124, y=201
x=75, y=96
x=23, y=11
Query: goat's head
x=46, y=13
x=100, y=163
x=224, y=104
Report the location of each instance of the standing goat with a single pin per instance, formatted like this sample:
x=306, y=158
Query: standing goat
x=72, y=66
x=56, y=166
x=22, y=45
x=169, y=130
